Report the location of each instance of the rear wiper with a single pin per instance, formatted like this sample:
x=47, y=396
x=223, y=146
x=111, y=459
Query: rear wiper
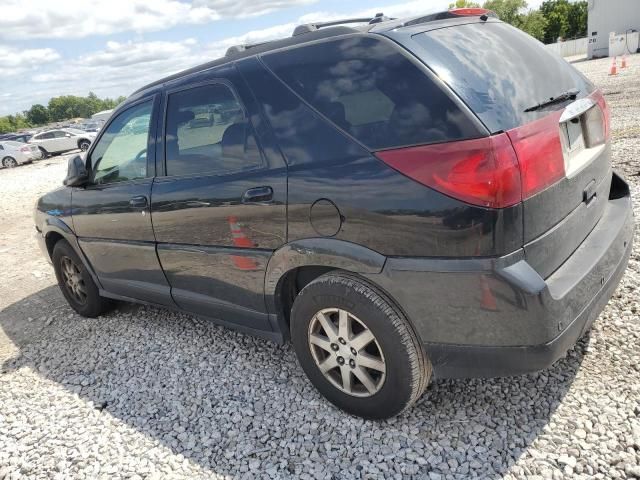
x=568, y=95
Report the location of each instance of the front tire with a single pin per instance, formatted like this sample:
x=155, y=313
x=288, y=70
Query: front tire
x=9, y=162
x=44, y=153
x=76, y=283
x=357, y=347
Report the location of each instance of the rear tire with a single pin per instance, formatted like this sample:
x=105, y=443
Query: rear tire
x=9, y=162
x=76, y=283
x=84, y=145
x=368, y=338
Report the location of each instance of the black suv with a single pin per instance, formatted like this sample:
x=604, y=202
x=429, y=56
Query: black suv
x=403, y=199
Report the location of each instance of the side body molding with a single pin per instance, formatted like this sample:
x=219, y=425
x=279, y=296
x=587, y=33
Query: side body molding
x=319, y=252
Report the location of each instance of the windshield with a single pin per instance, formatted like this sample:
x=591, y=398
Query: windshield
x=499, y=71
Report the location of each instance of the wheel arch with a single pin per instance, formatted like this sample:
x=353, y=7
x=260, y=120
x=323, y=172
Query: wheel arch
x=55, y=230
x=298, y=263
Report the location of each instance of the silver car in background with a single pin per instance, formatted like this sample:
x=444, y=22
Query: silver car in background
x=14, y=153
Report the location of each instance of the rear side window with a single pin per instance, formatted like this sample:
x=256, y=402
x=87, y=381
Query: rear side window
x=208, y=133
x=368, y=88
x=498, y=70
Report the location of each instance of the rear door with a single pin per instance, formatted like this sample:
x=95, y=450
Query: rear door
x=508, y=79
x=220, y=209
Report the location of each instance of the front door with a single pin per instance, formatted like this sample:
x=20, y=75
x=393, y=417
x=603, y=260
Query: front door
x=220, y=210
x=61, y=141
x=111, y=216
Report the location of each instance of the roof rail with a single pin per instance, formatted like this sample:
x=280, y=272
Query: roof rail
x=312, y=27
x=241, y=48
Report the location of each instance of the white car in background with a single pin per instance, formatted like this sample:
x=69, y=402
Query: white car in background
x=62, y=140
x=13, y=153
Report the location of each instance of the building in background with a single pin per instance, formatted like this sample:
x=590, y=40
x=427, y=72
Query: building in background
x=621, y=17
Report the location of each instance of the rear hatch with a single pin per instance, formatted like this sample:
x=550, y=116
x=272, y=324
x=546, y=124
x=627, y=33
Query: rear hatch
x=555, y=119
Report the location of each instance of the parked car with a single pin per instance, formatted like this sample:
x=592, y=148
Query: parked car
x=404, y=200
x=62, y=140
x=14, y=153
x=17, y=137
x=90, y=127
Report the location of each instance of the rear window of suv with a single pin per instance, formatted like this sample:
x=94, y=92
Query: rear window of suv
x=498, y=70
x=371, y=90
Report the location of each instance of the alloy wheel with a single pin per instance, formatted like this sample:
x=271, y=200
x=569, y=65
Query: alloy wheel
x=73, y=281
x=10, y=162
x=346, y=352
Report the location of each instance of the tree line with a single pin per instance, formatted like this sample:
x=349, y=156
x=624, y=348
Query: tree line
x=554, y=19
x=58, y=109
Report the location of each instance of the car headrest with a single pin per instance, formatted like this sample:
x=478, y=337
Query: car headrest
x=336, y=113
x=184, y=116
x=233, y=140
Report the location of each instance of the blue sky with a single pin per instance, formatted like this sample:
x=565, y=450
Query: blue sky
x=58, y=47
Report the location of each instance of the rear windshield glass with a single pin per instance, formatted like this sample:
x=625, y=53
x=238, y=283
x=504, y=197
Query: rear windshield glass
x=498, y=70
x=367, y=87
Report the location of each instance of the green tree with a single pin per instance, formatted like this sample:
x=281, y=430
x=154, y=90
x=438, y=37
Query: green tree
x=534, y=23
x=11, y=123
x=578, y=16
x=556, y=12
x=508, y=10
x=464, y=4
x=37, y=114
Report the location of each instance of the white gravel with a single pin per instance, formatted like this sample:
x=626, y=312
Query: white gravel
x=146, y=393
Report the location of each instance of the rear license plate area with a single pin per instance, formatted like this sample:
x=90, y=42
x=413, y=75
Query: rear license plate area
x=575, y=135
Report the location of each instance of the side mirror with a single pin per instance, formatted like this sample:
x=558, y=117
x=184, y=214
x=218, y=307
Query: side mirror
x=77, y=174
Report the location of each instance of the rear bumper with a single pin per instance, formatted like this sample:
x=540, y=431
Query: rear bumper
x=497, y=317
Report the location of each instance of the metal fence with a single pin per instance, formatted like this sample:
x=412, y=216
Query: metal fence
x=569, y=48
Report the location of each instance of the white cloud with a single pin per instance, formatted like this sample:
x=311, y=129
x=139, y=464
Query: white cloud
x=25, y=19
x=119, y=68
x=18, y=61
x=236, y=8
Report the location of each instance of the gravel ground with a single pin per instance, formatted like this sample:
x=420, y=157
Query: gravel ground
x=146, y=393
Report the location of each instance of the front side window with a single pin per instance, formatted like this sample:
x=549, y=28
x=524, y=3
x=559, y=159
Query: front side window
x=59, y=134
x=207, y=133
x=121, y=152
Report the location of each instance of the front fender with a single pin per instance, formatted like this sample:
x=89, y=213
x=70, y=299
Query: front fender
x=318, y=252
x=53, y=226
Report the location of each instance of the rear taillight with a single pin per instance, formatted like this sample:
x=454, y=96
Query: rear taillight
x=495, y=172
x=598, y=97
x=537, y=145
x=25, y=149
x=482, y=171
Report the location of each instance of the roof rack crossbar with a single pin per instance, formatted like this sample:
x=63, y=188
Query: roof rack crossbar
x=312, y=27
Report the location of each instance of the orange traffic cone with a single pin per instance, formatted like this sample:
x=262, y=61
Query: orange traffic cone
x=624, y=61
x=240, y=240
x=614, y=66
x=488, y=301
